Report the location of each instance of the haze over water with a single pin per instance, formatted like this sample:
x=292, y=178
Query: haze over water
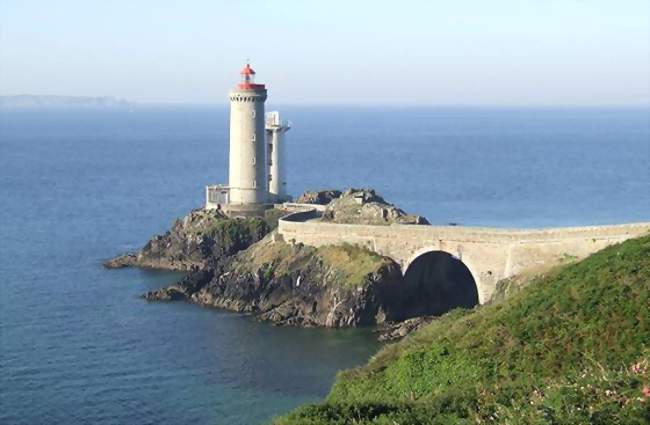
x=78, y=345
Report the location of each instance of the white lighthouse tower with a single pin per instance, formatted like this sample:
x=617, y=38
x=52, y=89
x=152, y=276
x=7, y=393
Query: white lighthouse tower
x=256, y=170
x=275, y=129
x=247, y=173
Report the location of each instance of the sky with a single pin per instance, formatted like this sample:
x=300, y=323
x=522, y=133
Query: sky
x=429, y=52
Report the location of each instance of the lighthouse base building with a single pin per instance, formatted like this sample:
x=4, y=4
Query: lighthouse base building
x=256, y=169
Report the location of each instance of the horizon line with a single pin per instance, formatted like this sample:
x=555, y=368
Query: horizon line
x=323, y=104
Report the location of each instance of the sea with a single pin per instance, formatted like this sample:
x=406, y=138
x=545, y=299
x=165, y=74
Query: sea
x=79, y=346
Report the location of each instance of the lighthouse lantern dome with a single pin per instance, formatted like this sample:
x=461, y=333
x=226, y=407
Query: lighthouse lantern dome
x=248, y=78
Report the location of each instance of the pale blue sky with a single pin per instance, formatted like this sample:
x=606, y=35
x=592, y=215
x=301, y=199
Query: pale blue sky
x=510, y=52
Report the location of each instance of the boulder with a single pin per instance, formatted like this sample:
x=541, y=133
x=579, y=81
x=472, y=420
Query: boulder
x=392, y=331
x=192, y=282
x=364, y=206
x=320, y=197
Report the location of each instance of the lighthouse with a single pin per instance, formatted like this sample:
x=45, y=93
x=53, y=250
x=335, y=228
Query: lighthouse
x=275, y=129
x=256, y=176
x=247, y=166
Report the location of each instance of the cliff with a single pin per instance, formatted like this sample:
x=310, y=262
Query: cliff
x=332, y=286
x=198, y=240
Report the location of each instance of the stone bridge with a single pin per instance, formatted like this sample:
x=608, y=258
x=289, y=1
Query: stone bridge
x=490, y=254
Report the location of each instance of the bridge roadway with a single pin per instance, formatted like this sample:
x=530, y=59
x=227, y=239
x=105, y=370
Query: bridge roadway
x=490, y=254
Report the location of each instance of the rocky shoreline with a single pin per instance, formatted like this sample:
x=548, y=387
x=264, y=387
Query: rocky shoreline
x=242, y=265
x=197, y=241
x=297, y=285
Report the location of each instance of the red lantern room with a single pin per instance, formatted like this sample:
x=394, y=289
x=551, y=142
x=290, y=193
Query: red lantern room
x=248, y=79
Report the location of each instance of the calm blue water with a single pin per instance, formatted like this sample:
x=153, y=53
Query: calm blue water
x=78, y=346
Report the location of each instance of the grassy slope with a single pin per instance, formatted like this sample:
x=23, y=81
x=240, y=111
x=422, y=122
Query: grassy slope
x=559, y=351
x=352, y=263
x=349, y=265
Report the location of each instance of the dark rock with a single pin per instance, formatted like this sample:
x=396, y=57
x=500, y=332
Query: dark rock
x=199, y=239
x=192, y=282
x=320, y=197
x=300, y=285
x=170, y=293
x=392, y=331
x=125, y=260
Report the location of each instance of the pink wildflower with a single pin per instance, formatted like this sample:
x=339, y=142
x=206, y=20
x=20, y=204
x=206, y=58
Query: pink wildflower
x=638, y=368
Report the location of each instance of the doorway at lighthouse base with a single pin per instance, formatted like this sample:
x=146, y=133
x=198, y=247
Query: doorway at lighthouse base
x=437, y=282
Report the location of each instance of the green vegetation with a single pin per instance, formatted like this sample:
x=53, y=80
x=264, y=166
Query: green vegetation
x=573, y=347
x=272, y=216
x=351, y=262
x=346, y=265
x=279, y=257
x=235, y=234
x=238, y=233
x=239, y=230
x=568, y=258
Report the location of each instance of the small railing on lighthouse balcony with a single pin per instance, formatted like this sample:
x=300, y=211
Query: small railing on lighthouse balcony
x=274, y=122
x=216, y=195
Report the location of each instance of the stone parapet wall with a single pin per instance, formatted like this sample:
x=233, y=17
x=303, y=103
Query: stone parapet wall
x=491, y=254
x=296, y=207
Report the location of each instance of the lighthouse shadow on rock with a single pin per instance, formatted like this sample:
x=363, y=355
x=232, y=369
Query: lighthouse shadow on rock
x=256, y=177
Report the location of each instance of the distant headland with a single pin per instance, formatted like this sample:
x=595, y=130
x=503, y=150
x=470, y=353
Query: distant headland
x=28, y=101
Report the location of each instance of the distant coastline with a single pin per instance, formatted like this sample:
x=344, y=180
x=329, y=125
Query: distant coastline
x=62, y=102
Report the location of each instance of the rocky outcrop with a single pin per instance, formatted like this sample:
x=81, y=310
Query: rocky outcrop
x=392, y=331
x=237, y=265
x=299, y=285
x=198, y=240
x=183, y=290
x=364, y=206
x=320, y=197
x=125, y=260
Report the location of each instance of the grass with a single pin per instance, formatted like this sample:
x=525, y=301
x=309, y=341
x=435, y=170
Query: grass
x=272, y=216
x=279, y=254
x=238, y=232
x=352, y=263
x=346, y=265
x=572, y=347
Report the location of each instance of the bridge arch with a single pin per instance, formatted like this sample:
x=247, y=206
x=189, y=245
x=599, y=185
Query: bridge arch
x=437, y=281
